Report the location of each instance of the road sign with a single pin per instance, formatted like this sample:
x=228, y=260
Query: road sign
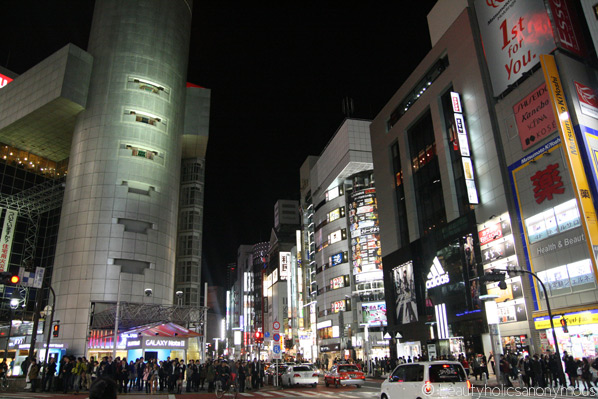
x=276, y=352
x=267, y=334
x=276, y=337
x=276, y=325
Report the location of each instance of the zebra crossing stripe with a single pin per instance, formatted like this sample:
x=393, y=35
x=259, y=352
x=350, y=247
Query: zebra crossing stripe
x=265, y=394
x=245, y=394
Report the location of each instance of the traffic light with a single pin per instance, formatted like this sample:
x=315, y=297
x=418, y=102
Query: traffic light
x=8, y=278
x=564, y=324
x=56, y=330
x=259, y=337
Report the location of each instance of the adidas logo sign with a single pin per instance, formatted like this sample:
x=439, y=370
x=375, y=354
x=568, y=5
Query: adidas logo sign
x=437, y=275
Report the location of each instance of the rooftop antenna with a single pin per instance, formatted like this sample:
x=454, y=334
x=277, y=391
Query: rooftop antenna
x=348, y=107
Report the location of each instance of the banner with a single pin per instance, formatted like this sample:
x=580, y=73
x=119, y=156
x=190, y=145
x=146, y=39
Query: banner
x=514, y=34
x=8, y=232
x=572, y=154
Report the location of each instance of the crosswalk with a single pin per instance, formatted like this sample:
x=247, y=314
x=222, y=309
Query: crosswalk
x=310, y=394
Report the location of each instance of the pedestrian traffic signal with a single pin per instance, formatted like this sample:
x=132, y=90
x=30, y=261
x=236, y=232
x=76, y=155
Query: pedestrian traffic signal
x=56, y=330
x=259, y=337
x=7, y=278
x=564, y=324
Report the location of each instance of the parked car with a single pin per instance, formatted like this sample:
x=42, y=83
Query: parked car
x=313, y=367
x=439, y=379
x=344, y=374
x=299, y=375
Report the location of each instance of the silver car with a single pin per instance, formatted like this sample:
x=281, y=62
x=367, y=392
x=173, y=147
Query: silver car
x=299, y=375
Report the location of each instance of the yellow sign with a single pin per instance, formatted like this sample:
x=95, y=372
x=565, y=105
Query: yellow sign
x=572, y=155
x=573, y=319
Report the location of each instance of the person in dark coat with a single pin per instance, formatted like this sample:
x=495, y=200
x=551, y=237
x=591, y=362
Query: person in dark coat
x=242, y=375
x=66, y=373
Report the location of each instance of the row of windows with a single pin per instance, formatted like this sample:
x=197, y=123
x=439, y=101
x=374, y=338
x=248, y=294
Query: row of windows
x=189, y=245
x=192, y=171
x=190, y=220
x=191, y=195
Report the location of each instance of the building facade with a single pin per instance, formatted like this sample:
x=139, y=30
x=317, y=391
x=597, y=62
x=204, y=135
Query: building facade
x=115, y=119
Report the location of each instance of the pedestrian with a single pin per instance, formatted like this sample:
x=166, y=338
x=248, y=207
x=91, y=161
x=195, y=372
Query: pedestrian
x=242, y=372
x=33, y=375
x=155, y=378
x=210, y=376
x=103, y=388
x=66, y=373
x=586, y=374
x=49, y=373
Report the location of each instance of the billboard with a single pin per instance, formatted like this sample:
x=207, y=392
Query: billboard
x=534, y=117
x=374, y=314
x=405, y=299
x=514, y=34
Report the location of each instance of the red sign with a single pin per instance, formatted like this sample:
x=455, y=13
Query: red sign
x=490, y=234
x=4, y=80
x=547, y=182
x=587, y=100
x=566, y=27
x=534, y=117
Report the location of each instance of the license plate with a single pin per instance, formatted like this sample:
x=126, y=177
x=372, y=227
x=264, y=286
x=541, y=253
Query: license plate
x=352, y=376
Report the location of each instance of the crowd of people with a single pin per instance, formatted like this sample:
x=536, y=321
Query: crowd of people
x=75, y=374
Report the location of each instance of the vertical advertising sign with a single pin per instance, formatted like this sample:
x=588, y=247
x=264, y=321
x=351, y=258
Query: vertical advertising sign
x=566, y=27
x=514, y=34
x=406, y=301
x=285, y=264
x=8, y=232
x=472, y=192
x=572, y=154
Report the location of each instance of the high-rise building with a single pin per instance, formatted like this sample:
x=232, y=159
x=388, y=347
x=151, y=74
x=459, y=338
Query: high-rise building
x=485, y=164
x=347, y=310
x=120, y=121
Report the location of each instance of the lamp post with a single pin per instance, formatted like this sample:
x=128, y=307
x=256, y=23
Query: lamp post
x=50, y=324
x=498, y=275
x=516, y=271
x=492, y=319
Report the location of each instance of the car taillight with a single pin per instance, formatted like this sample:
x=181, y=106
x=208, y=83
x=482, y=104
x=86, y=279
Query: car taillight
x=427, y=387
x=297, y=375
x=468, y=384
x=314, y=375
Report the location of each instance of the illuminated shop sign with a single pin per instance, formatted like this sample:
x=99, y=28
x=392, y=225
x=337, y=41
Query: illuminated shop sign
x=335, y=214
x=324, y=324
x=330, y=348
x=337, y=236
x=472, y=192
x=285, y=264
x=553, y=221
x=4, y=80
x=534, y=117
x=339, y=282
x=337, y=259
x=338, y=306
x=437, y=276
x=164, y=343
x=573, y=319
x=334, y=193
x=369, y=276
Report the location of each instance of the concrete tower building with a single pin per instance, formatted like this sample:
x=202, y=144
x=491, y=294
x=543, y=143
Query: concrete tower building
x=118, y=228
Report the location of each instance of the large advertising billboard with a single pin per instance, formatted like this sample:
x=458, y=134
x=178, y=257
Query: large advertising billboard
x=405, y=300
x=365, y=232
x=374, y=314
x=514, y=34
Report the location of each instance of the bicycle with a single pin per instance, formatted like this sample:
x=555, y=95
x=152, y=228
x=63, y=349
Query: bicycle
x=230, y=390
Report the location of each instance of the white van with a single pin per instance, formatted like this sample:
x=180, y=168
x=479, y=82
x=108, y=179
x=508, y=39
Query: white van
x=439, y=379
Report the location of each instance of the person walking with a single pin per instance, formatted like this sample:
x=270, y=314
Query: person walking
x=33, y=375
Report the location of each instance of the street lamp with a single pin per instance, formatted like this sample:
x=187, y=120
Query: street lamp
x=179, y=295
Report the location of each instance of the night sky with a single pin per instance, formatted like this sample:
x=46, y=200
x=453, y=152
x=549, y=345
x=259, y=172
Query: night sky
x=278, y=73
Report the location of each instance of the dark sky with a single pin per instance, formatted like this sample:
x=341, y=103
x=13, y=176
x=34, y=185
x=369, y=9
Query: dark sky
x=278, y=73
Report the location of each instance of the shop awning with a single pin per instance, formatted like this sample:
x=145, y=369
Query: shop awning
x=163, y=330
x=160, y=330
